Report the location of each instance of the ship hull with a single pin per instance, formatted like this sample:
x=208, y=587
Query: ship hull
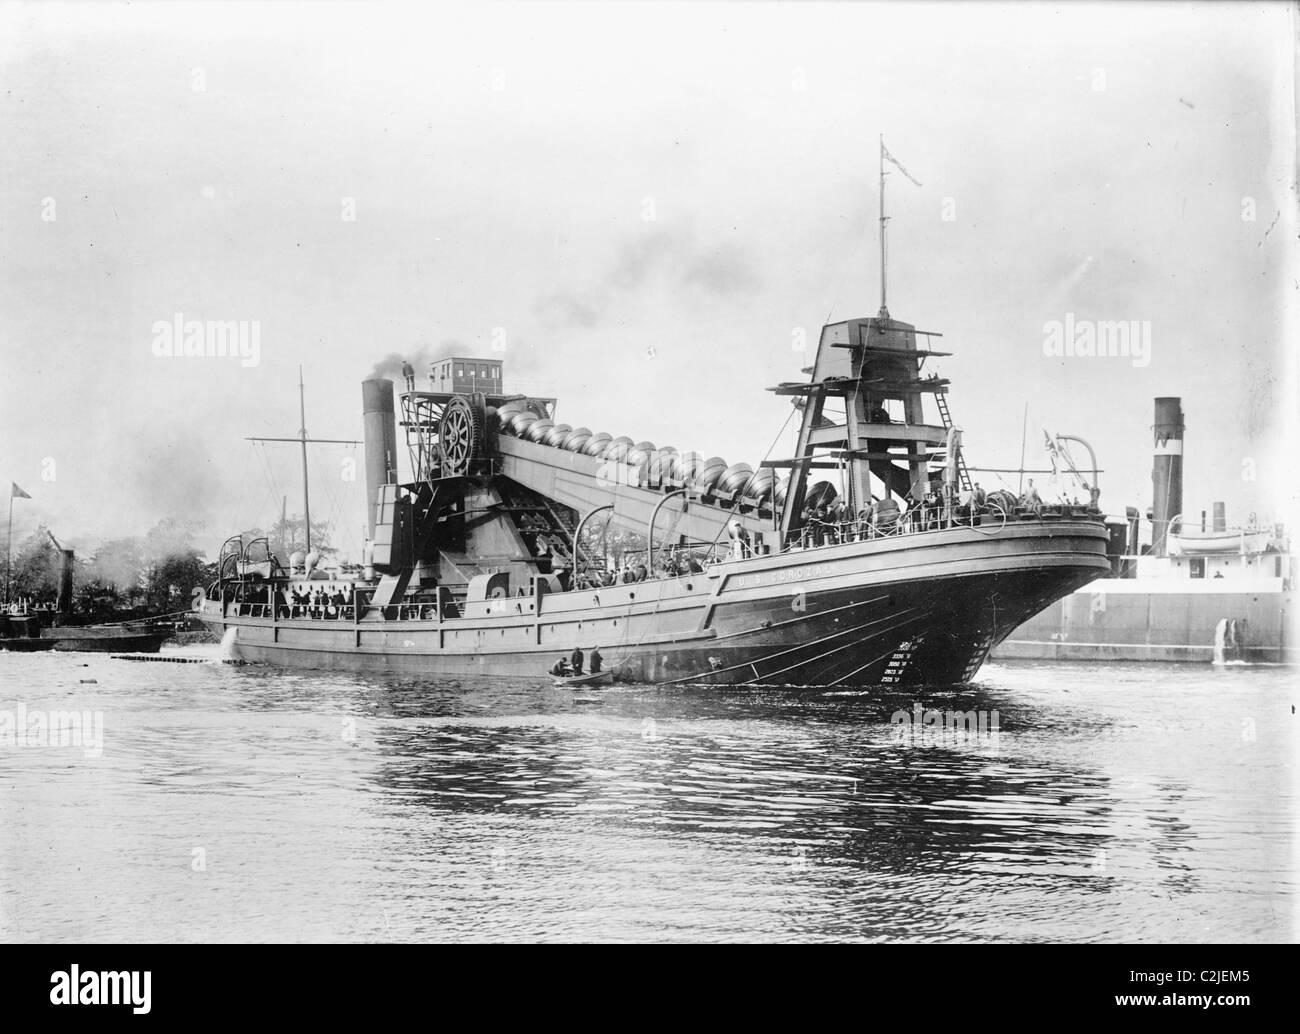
x=1126, y=620
x=918, y=608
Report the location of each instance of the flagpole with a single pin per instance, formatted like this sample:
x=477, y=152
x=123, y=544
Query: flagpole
x=306, y=495
x=884, y=308
x=9, y=544
x=1024, y=430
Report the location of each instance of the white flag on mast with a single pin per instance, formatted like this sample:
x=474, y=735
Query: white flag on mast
x=884, y=153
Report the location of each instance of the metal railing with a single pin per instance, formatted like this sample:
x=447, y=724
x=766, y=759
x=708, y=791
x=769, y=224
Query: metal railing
x=923, y=519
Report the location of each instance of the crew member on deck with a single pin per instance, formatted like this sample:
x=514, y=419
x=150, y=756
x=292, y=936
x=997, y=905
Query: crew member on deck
x=1031, y=500
x=408, y=372
x=866, y=516
x=980, y=497
x=576, y=660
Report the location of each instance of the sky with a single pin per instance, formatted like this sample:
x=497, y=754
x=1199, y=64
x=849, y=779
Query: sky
x=643, y=207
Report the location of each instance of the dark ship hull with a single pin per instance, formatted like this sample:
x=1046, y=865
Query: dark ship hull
x=920, y=608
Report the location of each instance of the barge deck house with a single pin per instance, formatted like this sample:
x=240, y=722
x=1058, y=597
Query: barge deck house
x=483, y=561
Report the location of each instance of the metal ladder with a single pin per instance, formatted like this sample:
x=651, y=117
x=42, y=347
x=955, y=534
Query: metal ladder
x=963, y=474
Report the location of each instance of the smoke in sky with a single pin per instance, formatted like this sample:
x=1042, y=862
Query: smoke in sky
x=677, y=256
x=421, y=356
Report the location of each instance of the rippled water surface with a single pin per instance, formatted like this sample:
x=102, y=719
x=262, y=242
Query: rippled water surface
x=1118, y=803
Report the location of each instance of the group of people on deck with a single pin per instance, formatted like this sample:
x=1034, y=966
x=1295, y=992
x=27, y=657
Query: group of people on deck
x=829, y=523
x=329, y=602
x=567, y=667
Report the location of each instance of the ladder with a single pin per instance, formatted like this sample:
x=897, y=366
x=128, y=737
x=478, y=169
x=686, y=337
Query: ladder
x=963, y=474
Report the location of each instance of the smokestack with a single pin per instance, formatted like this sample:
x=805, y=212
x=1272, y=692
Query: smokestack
x=63, y=603
x=381, y=440
x=1167, y=472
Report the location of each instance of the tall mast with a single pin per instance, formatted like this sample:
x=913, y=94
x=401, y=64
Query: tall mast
x=884, y=308
x=303, y=441
x=9, y=545
x=302, y=433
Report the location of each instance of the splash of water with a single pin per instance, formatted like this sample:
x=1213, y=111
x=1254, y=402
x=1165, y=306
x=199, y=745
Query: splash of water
x=226, y=652
x=1226, y=642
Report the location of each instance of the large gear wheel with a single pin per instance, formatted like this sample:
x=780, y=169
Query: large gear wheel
x=462, y=435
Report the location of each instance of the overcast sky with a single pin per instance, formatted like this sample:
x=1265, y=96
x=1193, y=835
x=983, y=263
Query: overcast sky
x=649, y=200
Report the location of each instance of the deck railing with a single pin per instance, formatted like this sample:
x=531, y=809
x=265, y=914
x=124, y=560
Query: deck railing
x=694, y=559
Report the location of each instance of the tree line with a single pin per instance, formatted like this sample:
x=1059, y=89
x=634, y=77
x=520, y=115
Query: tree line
x=139, y=575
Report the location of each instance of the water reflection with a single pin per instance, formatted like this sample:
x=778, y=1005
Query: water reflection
x=804, y=773
x=1117, y=804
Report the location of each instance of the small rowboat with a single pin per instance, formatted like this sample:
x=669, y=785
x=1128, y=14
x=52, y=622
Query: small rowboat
x=598, y=678
x=1190, y=542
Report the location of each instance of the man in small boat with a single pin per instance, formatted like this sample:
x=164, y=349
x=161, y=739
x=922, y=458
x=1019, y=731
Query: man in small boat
x=576, y=660
x=595, y=660
x=560, y=669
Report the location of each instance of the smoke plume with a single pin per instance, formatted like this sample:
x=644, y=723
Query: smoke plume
x=421, y=356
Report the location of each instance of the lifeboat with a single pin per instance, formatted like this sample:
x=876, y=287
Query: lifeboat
x=1190, y=542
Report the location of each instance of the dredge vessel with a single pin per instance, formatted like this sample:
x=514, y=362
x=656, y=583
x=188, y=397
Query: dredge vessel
x=483, y=562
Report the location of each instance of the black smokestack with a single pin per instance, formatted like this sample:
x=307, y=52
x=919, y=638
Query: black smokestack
x=63, y=602
x=381, y=440
x=1166, y=472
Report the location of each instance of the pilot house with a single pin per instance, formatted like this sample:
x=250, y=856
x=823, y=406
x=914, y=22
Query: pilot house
x=463, y=376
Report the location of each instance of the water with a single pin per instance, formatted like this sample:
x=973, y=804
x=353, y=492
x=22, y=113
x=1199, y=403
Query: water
x=1122, y=802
